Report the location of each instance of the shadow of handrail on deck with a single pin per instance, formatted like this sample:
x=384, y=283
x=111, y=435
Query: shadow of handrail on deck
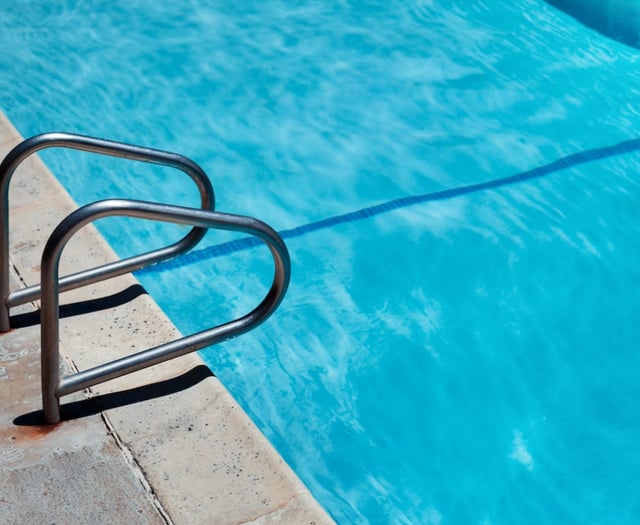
x=102, y=402
x=244, y=243
x=82, y=307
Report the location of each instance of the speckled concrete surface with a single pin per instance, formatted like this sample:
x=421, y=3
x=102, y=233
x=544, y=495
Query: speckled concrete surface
x=73, y=472
x=203, y=460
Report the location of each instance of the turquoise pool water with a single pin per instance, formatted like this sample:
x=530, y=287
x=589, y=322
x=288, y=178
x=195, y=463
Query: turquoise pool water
x=458, y=185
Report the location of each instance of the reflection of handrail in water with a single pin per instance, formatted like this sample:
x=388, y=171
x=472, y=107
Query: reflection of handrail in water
x=403, y=202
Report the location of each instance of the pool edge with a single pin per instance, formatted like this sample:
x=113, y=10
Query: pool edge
x=207, y=464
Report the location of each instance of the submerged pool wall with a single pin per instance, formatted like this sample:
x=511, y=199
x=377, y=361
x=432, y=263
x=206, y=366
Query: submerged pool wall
x=616, y=19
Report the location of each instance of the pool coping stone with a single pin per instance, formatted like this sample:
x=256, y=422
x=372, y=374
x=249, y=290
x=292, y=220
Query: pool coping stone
x=130, y=438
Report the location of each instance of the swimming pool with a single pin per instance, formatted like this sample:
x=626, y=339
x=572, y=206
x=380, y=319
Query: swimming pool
x=459, y=341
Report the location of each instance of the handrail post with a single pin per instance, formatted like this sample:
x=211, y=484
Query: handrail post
x=102, y=147
x=53, y=387
x=4, y=252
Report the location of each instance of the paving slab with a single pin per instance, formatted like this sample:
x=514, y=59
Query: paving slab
x=73, y=472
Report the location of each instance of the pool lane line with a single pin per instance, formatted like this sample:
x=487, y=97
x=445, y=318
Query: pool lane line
x=245, y=243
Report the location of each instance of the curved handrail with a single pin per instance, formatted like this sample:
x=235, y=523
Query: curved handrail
x=102, y=147
x=53, y=387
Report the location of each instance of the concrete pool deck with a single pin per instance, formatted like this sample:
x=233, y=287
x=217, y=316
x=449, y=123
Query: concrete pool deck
x=164, y=445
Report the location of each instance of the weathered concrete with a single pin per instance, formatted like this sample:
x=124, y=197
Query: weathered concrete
x=73, y=472
x=203, y=460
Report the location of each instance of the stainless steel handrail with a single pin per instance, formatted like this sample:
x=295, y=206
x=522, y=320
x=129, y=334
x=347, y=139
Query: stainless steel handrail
x=102, y=147
x=53, y=387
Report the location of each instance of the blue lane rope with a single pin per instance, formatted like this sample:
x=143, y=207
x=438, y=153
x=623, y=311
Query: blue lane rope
x=402, y=202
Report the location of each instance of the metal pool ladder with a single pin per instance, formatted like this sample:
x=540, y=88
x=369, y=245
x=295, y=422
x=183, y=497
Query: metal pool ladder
x=51, y=284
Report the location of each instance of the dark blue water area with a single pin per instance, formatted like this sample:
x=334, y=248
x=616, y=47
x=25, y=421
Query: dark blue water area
x=457, y=185
x=616, y=19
